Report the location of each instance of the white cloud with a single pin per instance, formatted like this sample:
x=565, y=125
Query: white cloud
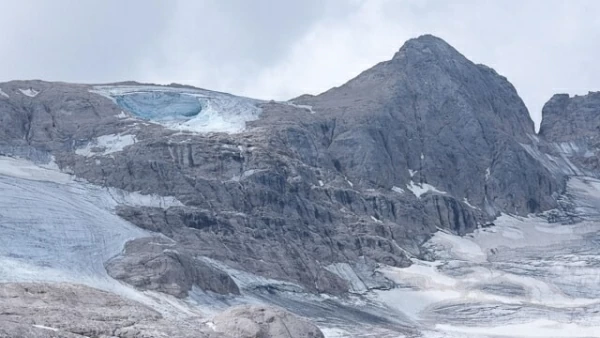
x=271, y=49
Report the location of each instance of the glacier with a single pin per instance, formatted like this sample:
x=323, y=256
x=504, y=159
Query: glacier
x=522, y=277
x=56, y=228
x=184, y=108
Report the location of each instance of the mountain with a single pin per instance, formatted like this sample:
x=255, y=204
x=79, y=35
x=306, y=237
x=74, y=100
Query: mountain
x=225, y=200
x=430, y=116
x=571, y=125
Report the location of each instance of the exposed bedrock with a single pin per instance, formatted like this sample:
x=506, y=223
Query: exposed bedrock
x=365, y=172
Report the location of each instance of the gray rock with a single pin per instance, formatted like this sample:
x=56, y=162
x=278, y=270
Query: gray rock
x=159, y=264
x=458, y=126
x=249, y=321
x=32, y=310
x=571, y=129
x=297, y=192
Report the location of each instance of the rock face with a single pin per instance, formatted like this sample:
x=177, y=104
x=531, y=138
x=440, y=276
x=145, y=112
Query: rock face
x=160, y=265
x=360, y=175
x=571, y=126
x=70, y=311
x=431, y=116
x=248, y=321
x=32, y=310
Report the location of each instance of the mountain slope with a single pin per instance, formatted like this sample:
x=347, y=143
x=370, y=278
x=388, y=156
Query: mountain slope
x=571, y=127
x=270, y=200
x=426, y=140
x=430, y=111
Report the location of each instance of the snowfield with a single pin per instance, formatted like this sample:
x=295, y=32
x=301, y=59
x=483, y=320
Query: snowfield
x=523, y=277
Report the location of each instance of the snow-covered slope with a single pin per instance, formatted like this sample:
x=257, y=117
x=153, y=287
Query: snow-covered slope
x=55, y=228
x=523, y=277
x=189, y=109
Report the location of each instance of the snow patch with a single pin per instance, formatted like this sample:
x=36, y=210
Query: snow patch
x=487, y=174
x=246, y=174
x=45, y=328
x=122, y=115
x=246, y=280
x=301, y=106
x=211, y=325
x=412, y=172
x=335, y=333
x=398, y=190
x=106, y=144
x=21, y=168
x=2, y=93
x=345, y=271
x=459, y=247
x=321, y=183
x=136, y=199
x=423, y=188
x=560, y=164
x=466, y=201
x=567, y=148
x=29, y=92
x=534, y=138
x=24, y=169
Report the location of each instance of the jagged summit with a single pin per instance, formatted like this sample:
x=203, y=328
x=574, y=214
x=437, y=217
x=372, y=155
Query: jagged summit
x=432, y=111
x=428, y=66
x=566, y=117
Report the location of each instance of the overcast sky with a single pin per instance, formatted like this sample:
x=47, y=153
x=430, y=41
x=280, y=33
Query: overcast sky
x=282, y=48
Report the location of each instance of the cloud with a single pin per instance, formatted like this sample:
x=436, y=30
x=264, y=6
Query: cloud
x=282, y=49
x=80, y=41
x=542, y=47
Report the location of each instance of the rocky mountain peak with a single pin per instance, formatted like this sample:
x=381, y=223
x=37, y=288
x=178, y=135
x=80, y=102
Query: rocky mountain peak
x=567, y=118
x=428, y=46
x=420, y=117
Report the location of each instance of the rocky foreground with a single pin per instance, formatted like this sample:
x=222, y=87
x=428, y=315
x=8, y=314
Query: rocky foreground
x=33, y=310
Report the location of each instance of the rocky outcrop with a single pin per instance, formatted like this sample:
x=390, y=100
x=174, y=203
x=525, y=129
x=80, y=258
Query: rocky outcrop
x=161, y=265
x=565, y=118
x=249, y=321
x=571, y=128
x=32, y=310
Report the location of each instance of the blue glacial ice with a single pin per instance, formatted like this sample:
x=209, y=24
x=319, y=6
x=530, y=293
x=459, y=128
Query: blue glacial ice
x=162, y=106
x=184, y=109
